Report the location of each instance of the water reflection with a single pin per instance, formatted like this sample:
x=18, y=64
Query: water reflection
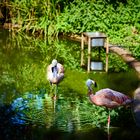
x=28, y=110
x=17, y=123
x=68, y=116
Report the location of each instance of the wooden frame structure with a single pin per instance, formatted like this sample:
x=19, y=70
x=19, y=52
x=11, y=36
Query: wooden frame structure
x=94, y=39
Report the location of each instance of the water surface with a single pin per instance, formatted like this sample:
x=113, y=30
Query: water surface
x=28, y=110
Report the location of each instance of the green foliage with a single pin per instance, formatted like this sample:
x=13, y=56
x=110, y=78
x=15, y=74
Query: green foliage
x=120, y=21
x=115, y=62
x=82, y=16
x=35, y=15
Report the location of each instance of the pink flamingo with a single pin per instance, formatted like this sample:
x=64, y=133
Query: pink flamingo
x=107, y=97
x=55, y=72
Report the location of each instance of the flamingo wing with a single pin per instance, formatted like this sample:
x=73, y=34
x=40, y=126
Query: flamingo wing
x=111, y=98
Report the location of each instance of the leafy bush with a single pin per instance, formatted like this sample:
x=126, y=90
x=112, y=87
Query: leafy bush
x=119, y=20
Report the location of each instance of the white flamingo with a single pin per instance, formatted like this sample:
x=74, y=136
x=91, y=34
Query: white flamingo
x=55, y=72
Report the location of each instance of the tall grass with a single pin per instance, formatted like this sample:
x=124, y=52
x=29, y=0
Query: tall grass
x=35, y=15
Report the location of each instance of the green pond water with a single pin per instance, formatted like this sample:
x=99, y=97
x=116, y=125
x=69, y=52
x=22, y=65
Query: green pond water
x=28, y=110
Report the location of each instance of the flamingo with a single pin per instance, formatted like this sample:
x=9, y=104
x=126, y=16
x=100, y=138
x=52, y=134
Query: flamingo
x=107, y=97
x=55, y=73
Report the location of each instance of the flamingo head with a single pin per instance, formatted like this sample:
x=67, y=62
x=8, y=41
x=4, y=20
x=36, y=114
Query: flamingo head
x=54, y=62
x=89, y=82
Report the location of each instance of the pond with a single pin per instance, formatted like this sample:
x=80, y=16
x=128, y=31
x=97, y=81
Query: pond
x=28, y=109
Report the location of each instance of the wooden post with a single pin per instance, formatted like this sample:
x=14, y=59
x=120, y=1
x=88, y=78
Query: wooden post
x=82, y=50
x=90, y=36
x=89, y=53
x=107, y=51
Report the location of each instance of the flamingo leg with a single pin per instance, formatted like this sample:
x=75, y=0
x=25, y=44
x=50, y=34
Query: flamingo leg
x=108, y=122
x=108, y=125
x=55, y=92
x=55, y=97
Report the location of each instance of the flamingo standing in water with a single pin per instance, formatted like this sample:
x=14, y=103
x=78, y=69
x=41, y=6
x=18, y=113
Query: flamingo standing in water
x=107, y=97
x=55, y=73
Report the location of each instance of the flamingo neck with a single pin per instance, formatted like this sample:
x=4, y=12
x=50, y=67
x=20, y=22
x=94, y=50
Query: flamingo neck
x=54, y=71
x=90, y=92
x=91, y=97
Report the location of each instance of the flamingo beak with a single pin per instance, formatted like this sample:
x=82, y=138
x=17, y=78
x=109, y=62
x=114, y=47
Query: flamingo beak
x=94, y=83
